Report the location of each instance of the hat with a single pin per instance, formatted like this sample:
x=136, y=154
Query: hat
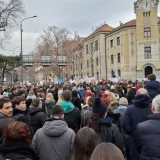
x=99, y=107
x=20, y=92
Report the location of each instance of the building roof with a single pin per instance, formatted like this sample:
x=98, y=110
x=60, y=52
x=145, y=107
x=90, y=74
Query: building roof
x=105, y=28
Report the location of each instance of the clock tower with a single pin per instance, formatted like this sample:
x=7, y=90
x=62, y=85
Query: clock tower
x=147, y=35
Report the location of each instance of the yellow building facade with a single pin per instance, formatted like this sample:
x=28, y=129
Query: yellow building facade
x=133, y=49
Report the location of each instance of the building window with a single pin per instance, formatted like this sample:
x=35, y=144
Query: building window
x=73, y=57
x=111, y=43
x=76, y=56
x=88, y=74
x=119, y=73
x=86, y=49
x=87, y=63
x=81, y=65
x=147, y=32
x=97, y=61
x=147, y=52
x=146, y=14
x=96, y=45
x=119, y=58
x=91, y=47
x=112, y=60
x=118, y=41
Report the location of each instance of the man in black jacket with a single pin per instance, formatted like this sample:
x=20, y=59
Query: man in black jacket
x=148, y=134
x=135, y=114
x=72, y=115
x=35, y=115
x=19, y=108
x=153, y=86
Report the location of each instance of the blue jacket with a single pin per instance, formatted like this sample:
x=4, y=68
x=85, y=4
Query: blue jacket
x=148, y=138
x=153, y=88
x=136, y=113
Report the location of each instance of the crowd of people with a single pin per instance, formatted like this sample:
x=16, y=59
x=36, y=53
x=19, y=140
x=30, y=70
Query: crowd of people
x=104, y=121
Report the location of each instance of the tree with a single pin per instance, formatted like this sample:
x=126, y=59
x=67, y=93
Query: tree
x=10, y=12
x=8, y=63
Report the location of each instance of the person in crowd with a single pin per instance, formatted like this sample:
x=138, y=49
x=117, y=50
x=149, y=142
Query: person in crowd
x=22, y=94
x=103, y=126
x=152, y=86
x=19, y=110
x=147, y=134
x=42, y=96
x=50, y=102
x=54, y=140
x=35, y=115
x=135, y=114
x=84, y=145
x=87, y=111
x=72, y=114
x=30, y=95
x=28, y=105
x=6, y=109
x=107, y=151
x=16, y=143
x=76, y=100
x=80, y=91
x=14, y=93
x=131, y=94
x=123, y=104
x=55, y=93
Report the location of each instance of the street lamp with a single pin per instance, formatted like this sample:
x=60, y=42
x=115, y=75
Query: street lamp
x=21, y=47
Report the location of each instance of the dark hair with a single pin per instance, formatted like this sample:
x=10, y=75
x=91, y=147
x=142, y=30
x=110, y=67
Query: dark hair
x=35, y=102
x=16, y=101
x=28, y=102
x=17, y=132
x=57, y=111
x=13, y=89
x=90, y=101
x=84, y=144
x=66, y=95
x=151, y=77
x=107, y=151
x=4, y=100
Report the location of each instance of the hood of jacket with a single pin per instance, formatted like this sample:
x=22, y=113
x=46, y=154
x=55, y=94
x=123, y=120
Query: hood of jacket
x=142, y=101
x=23, y=151
x=2, y=116
x=34, y=110
x=67, y=106
x=153, y=84
x=55, y=127
x=105, y=121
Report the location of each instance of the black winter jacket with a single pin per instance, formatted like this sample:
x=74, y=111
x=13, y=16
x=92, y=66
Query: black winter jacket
x=73, y=119
x=37, y=118
x=153, y=88
x=108, y=132
x=136, y=113
x=17, y=151
x=148, y=138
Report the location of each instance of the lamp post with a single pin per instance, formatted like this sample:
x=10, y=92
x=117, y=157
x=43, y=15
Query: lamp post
x=21, y=54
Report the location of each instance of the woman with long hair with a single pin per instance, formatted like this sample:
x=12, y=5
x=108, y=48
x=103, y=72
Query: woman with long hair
x=84, y=144
x=16, y=143
x=107, y=151
x=50, y=102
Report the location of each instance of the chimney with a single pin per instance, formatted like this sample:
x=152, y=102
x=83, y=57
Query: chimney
x=120, y=23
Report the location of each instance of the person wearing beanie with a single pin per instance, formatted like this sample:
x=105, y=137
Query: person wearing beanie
x=103, y=126
x=136, y=113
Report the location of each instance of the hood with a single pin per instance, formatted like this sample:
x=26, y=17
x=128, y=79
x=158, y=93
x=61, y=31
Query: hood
x=2, y=116
x=105, y=121
x=122, y=107
x=153, y=84
x=142, y=101
x=55, y=128
x=67, y=106
x=34, y=110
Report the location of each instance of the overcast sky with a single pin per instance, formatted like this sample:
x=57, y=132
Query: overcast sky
x=75, y=15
